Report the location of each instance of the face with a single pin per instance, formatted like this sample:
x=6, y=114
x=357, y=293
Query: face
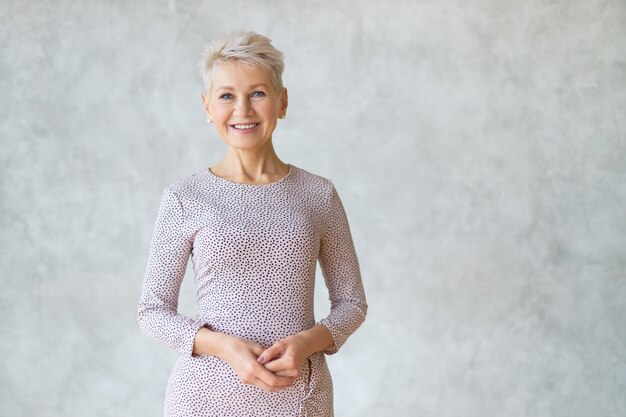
x=243, y=104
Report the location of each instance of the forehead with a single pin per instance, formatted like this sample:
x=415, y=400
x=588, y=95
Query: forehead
x=239, y=75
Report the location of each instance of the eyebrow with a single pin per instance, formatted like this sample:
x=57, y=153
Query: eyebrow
x=228, y=87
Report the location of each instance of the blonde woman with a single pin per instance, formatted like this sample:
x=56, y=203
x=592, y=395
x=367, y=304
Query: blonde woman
x=255, y=228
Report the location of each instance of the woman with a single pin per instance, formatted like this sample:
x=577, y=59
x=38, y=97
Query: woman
x=255, y=228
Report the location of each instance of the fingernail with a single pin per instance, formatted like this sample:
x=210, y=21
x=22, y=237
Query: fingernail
x=260, y=360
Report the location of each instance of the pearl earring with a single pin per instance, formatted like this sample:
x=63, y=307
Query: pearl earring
x=209, y=121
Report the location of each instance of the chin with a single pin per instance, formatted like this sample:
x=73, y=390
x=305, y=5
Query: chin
x=242, y=144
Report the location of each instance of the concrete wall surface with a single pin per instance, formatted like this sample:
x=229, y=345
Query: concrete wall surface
x=479, y=148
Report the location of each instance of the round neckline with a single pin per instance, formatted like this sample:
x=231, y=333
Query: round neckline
x=281, y=180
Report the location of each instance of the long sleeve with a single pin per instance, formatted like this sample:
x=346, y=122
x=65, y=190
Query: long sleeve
x=342, y=275
x=157, y=313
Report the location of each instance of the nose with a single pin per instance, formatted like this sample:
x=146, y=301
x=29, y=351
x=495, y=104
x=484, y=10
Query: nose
x=243, y=107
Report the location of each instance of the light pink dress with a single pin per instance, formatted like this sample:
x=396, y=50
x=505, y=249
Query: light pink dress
x=254, y=250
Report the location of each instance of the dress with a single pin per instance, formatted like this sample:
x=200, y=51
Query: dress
x=254, y=250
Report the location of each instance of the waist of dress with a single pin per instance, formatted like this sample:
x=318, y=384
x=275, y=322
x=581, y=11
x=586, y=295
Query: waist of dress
x=263, y=330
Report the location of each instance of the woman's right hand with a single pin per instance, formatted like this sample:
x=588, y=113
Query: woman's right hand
x=241, y=355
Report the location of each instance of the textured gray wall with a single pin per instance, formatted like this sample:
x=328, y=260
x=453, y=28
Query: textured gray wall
x=479, y=148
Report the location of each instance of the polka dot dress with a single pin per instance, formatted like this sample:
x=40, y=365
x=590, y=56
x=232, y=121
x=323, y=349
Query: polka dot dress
x=254, y=250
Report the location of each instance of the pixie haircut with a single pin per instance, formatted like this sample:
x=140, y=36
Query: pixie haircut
x=245, y=47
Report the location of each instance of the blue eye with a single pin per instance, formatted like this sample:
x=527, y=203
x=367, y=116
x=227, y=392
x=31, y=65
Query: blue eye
x=226, y=96
x=258, y=94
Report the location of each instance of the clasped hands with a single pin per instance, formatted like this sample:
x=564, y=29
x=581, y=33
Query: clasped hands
x=271, y=369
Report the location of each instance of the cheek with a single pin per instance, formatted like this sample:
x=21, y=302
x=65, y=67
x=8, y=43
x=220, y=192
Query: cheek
x=219, y=113
x=268, y=109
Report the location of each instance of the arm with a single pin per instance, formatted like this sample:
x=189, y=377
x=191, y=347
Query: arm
x=342, y=275
x=316, y=339
x=170, y=248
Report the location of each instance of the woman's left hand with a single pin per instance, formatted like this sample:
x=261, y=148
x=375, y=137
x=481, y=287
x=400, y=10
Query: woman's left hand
x=285, y=357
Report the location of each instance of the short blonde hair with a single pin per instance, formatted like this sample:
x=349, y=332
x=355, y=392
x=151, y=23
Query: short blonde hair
x=241, y=46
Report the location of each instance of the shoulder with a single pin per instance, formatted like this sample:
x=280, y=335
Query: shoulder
x=316, y=184
x=321, y=190
x=187, y=188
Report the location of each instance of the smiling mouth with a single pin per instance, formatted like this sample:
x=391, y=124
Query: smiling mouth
x=245, y=126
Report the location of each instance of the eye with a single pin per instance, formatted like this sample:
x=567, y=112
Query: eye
x=258, y=94
x=226, y=96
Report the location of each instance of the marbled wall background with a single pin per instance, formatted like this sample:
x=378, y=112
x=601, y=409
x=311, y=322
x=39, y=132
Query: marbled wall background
x=479, y=148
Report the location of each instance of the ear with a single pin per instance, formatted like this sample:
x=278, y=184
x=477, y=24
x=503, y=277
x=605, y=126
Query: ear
x=284, y=101
x=205, y=104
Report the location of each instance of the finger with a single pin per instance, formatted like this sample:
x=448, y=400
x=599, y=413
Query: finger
x=259, y=383
x=261, y=377
x=270, y=353
x=284, y=366
x=280, y=364
x=274, y=380
x=292, y=373
x=271, y=379
x=257, y=350
x=285, y=373
x=269, y=388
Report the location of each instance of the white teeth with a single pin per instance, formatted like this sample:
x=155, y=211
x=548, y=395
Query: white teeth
x=249, y=126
